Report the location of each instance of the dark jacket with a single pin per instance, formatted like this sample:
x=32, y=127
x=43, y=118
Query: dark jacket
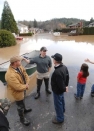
x=60, y=79
x=4, y=124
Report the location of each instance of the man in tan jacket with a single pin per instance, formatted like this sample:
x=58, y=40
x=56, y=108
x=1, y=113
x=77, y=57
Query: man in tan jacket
x=18, y=82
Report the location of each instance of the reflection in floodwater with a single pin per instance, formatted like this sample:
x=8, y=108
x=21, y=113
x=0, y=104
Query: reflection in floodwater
x=75, y=49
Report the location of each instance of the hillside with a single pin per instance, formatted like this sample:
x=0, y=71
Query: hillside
x=52, y=24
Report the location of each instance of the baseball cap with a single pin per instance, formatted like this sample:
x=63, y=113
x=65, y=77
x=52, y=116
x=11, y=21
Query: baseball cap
x=43, y=49
x=15, y=58
x=57, y=57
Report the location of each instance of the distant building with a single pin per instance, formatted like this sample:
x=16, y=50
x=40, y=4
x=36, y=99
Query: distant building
x=76, y=25
x=35, y=30
x=91, y=24
x=22, y=28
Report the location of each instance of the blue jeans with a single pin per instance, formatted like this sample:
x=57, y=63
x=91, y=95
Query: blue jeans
x=59, y=104
x=80, y=89
x=92, y=89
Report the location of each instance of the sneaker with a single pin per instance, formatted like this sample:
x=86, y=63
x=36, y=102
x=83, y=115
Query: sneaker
x=54, y=121
x=81, y=97
x=76, y=96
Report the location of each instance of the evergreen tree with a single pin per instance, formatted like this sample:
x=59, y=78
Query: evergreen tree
x=91, y=20
x=7, y=20
x=0, y=24
x=29, y=26
x=35, y=23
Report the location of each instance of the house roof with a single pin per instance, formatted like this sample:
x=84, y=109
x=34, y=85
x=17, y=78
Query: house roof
x=19, y=24
x=74, y=24
x=91, y=23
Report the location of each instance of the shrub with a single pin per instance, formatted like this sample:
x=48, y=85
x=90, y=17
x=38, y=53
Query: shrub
x=25, y=34
x=88, y=31
x=64, y=30
x=6, y=38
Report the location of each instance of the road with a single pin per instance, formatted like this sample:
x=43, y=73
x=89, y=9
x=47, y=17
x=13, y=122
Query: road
x=79, y=114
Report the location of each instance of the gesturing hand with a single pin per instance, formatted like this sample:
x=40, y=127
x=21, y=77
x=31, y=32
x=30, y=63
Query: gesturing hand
x=87, y=60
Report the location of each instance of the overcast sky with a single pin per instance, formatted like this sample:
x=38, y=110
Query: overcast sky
x=48, y=9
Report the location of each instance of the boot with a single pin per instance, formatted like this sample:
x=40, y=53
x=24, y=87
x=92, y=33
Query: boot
x=46, y=80
x=37, y=95
x=26, y=110
x=48, y=91
x=23, y=120
x=39, y=83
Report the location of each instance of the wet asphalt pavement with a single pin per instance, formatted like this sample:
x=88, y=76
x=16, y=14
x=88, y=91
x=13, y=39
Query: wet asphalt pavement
x=79, y=114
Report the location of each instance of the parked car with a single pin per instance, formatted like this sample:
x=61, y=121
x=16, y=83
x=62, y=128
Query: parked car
x=56, y=33
x=73, y=33
x=17, y=37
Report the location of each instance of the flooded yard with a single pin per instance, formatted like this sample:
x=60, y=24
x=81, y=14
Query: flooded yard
x=75, y=49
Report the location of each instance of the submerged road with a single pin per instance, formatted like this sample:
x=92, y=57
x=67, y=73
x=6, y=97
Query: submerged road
x=79, y=114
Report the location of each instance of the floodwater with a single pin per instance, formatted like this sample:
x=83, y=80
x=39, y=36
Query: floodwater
x=75, y=49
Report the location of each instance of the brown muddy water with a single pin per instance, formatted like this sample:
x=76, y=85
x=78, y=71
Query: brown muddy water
x=75, y=49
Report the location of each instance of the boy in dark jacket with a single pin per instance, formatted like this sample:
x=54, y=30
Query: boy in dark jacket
x=59, y=84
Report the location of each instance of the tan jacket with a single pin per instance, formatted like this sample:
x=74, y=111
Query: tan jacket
x=15, y=82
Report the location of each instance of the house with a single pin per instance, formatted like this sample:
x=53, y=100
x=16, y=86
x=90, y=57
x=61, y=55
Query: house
x=91, y=24
x=22, y=28
x=35, y=30
x=76, y=25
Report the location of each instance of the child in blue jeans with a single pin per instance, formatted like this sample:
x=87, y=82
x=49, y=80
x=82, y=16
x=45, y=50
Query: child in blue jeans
x=81, y=81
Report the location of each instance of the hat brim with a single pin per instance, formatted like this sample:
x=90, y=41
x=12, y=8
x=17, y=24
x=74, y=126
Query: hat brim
x=52, y=56
x=18, y=59
x=21, y=57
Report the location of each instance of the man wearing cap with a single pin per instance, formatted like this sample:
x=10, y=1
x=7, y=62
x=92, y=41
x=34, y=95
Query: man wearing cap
x=59, y=84
x=18, y=82
x=44, y=65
